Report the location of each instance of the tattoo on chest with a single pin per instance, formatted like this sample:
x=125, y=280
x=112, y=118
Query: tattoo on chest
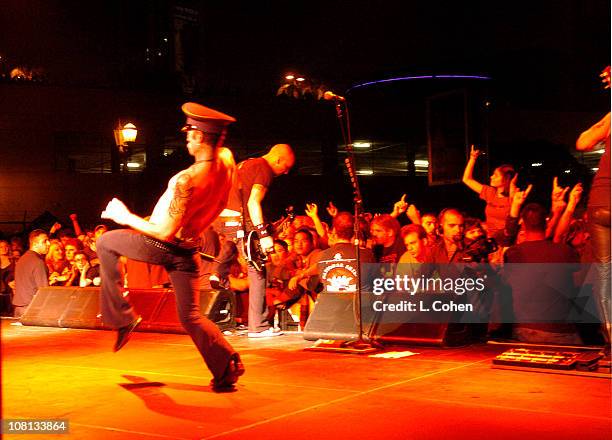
x=182, y=195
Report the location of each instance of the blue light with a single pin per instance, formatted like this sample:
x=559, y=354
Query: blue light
x=408, y=78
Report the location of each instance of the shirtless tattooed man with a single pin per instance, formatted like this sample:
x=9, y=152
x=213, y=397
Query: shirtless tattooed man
x=193, y=199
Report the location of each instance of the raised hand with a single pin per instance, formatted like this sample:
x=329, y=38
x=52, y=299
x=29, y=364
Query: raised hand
x=513, y=187
x=55, y=227
x=116, y=211
x=413, y=214
x=73, y=217
x=558, y=194
x=400, y=206
x=332, y=210
x=575, y=194
x=312, y=210
x=519, y=196
x=286, y=226
x=474, y=153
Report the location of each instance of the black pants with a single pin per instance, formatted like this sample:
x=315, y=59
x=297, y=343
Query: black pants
x=182, y=267
x=599, y=229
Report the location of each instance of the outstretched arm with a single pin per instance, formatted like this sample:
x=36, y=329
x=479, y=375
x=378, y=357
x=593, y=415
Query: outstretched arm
x=597, y=133
x=75, y=225
x=512, y=226
x=414, y=215
x=164, y=229
x=56, y=226
x=468, y=179
x=566, y=218
x=557, y=208
x=312, y=211
x=332, y=210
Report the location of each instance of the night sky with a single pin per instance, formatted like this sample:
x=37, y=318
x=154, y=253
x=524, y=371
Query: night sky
x=250, y=44
x=544, y=56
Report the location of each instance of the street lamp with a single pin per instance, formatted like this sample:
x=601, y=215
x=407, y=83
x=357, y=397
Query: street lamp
x=124, y=134
x=297, y=85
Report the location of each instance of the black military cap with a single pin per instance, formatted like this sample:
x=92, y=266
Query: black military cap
x=205, y=119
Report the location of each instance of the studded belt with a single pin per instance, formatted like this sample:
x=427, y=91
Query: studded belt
x=170, y=247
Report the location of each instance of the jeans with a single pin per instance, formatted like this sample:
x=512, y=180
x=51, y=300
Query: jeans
x=258, y=311
x=182, y=267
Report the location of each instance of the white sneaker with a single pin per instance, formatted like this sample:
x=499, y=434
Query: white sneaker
x=265, y=334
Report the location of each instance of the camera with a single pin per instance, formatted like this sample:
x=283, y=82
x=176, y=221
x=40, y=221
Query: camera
x=478, y=250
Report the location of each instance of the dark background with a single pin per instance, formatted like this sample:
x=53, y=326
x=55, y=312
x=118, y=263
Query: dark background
x=91, y=66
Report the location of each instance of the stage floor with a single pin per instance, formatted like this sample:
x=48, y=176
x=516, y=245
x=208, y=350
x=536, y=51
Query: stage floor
x=157, y=388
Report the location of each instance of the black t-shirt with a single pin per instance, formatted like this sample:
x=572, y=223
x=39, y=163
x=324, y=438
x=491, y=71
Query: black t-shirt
x=92, y=272
x=540, y=274
x=391, y=254
x=30, y=274
x=250, y=172
x=338, y=271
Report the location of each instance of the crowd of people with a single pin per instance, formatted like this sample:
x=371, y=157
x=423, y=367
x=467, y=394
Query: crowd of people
x=529, y=233
x=521, y=232
x=63, y=256
x=512, y=230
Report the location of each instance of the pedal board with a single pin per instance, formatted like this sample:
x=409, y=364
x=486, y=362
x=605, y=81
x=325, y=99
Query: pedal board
x=523, y=357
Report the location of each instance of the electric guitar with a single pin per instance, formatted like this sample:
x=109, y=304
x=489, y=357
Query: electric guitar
x=255, y=256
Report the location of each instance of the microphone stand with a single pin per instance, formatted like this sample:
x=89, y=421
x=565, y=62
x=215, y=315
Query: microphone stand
x=359, y=346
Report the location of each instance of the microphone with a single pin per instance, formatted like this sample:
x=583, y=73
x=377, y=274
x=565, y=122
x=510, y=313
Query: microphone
x=329, y=95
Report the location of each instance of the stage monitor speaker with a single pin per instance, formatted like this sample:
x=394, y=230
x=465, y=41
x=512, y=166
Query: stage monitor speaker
x=147, y=302
x=217, y=305
x=64, y=307
x=76, y=307
x=220, y=307
x=83, y=309
x=423, y=333
x=333, y=317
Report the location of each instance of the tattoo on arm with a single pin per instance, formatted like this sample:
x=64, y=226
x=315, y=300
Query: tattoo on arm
x=182, y=194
